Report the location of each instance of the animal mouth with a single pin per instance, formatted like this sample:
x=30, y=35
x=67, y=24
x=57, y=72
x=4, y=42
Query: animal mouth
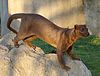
x=85, y=34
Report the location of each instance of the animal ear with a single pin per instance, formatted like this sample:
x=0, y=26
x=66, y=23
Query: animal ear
x=84, y=25
x=76, y=26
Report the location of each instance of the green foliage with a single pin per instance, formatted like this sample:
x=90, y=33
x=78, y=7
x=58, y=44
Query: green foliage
x=87, y=48
x=89, y=51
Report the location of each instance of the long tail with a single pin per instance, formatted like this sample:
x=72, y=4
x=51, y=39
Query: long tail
x=10, y=19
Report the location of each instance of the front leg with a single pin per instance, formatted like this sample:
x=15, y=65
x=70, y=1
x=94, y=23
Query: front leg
x=61, y=48
x=71, y=54
x=61, y=60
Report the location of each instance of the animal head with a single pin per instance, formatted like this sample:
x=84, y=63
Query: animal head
x=81, y=30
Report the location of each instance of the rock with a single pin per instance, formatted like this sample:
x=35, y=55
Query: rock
x=6, y=40
x=25, y=61
x=4, y=60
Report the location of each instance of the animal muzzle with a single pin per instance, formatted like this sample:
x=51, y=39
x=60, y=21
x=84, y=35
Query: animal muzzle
x=85, y=34
x=88, y=34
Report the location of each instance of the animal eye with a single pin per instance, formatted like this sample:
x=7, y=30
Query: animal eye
x=82, y=29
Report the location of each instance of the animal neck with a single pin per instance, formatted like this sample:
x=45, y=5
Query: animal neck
x=74, y=36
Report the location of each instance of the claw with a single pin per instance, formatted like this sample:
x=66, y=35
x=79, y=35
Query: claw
x=74, y=58
x=66, y=68
x=15, y=44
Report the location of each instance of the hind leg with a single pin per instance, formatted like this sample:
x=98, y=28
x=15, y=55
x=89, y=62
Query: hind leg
x=28, y=41
x=16, y=40
x=19, y=36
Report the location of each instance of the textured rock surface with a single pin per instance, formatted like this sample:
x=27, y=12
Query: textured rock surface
x=23, y=61
x=6, y=40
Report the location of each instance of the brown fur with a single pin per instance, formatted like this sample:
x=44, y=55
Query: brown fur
x=35, y=26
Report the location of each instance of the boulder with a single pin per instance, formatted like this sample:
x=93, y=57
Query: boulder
x=25, y=61
x=6, y=40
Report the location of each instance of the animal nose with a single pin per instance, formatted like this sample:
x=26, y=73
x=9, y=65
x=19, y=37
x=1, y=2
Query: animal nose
x=88, y=34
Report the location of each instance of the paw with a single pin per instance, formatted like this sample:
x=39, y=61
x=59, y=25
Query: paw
x=16, y=45
x=74, y=58
x=66, y=68
x=34, y=47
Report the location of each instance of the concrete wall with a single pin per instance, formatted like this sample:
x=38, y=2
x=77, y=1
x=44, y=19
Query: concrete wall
x=92, y=12
x=65, y=13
